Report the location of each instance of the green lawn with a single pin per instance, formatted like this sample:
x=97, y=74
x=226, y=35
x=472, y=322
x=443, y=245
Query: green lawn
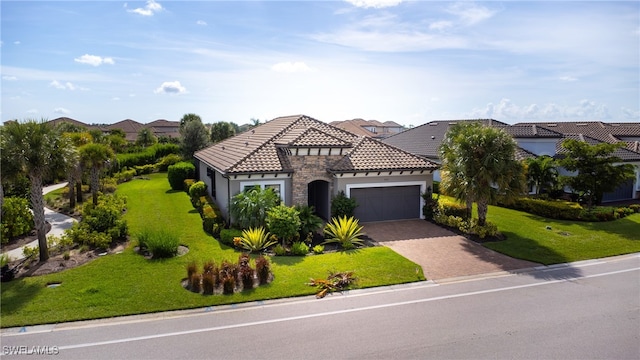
x=127, y=283
x=528, y=237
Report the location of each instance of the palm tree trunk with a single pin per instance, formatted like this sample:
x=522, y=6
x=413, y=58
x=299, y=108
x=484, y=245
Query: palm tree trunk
x=72, y=194
x=37, y=202
x=469, y=203
x=79, y=191
x=95, y=184
x=483, y=206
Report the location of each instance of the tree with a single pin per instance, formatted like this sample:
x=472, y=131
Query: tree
x=146, y=138
x=221, y=130
x=596, y=172
x=187, y=118
x=542, y=172
x=36, y=149
x=95, y=157
x=194, y=138
x=479, y=165
x=74, y=174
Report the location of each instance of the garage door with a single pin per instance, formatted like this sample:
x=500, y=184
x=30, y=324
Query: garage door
x=623, y=192
x=387, y=203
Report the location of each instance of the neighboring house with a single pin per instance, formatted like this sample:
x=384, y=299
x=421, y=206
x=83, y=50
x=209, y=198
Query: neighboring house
x=535, y=139
x=307, y=162
x=130, y=127
x=370, y=128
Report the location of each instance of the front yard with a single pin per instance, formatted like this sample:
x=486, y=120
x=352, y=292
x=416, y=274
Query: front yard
x=127, y=283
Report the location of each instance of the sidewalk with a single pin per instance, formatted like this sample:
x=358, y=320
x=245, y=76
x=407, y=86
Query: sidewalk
x=59, y=223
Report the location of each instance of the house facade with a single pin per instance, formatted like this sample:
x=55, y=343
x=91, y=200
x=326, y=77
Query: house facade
x=536, y=139
x=131, y=128
x=308, y=162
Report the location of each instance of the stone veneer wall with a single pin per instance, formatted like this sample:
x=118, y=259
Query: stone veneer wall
x=308, y=168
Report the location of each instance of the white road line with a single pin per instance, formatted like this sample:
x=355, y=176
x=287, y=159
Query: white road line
x=337, y=312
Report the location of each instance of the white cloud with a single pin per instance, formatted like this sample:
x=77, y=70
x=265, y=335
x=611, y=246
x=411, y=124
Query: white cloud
x=440, y=25
x=376, y=4
x=201, y=22
x=115, y=98
x=61, y=111
x=506, y=110
x=17, y=42
x=94, y=60
x=9, y=78
x=171, y=87
x=568, y=78
x=65, y=86
x=149, y=9
x=631, y=114
x=470, y=13
x=291, y=67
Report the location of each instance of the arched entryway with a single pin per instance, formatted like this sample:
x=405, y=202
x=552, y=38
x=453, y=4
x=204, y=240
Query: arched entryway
x=318, y=197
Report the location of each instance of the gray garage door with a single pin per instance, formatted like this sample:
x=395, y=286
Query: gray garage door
x=623, y=192
x=387, y=203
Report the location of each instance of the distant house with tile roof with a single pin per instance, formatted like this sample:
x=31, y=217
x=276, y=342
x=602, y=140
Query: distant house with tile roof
x=130, y=127
x=370, y=128
x=535, y=139
x=308, y=162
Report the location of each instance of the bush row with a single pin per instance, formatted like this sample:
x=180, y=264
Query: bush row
x=470, y=227
x=212, y=219
x=564, y=210
x=149, y=155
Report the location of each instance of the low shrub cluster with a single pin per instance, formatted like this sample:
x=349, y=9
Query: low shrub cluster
x=149, y=155
x=212, y=219
x=342, y=206
x=470, y=227
x=227, y=277
x=16, y=218
x=451, y=208
x=565, y=210
x=101, y=224
x=344, y=231
x=158, y=243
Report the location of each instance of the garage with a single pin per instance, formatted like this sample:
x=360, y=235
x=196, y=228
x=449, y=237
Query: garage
x=623, y=192
x=387, y=203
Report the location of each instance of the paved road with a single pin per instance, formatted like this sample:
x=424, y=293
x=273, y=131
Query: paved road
x=583, y=310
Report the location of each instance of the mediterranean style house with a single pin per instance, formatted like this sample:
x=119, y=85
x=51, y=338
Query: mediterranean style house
x=308, y=162
x=130, y=127
x=536, y=139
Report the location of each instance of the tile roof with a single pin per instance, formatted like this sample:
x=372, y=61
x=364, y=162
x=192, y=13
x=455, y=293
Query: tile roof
x=260, y=150
x=424, y=140
x=608, y=132
x=353, y=127
x=624, y=153
x=531, y=131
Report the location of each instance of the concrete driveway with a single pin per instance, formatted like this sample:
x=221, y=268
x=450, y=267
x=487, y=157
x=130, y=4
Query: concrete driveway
x=441, y=253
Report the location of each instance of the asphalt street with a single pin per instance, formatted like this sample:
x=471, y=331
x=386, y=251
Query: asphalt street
x=584, y=310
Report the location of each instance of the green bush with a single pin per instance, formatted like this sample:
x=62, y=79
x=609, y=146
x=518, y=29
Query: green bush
x=178, y=172
x=299, y=249
x=453, y=208
x=468, y=226
x=309, y=222
x=124, y=175
x=344, y=231
x=198, y=190
x=149, y=155
x=249, y=208
x=161, y=243
x=81, y=234
x=283, y=221
x=318, y=249
x=16, y=218
x=279, y=250
x=106, y=217
x=144, y=169
x=212, y=220
x=255, y=240
x=342, y=206
x=164, y=163
x=227, y=236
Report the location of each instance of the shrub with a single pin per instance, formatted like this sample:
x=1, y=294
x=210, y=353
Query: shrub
x=192, y=268
x=31, y=252
x=249, y=208
x=124, y=175
x=161, y=243
x=195, y=282
x=342, y=206
x=198, y=190
x=263, y=269
x=255, y=239
x=279, y=250
x=164, y=163
x=309, y=221
x=187, y=184
x=447, y=207
x=178, y=172
x=246, y=271
x=16, y=218
x=80, y=233
x=227, y=236
x=635, y=207
x=144, y=169
x=299, y=249
x=149, y=155
x=283, y=221
x=430, y=205
x=208, y=283
x=336, y=281
x=318, y=249
x=228, y=275
x=344, y=231
x=212, y=220
x=106, y=217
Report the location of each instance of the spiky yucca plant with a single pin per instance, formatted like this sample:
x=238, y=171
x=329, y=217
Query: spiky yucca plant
x=256, y=239
x=345, y=231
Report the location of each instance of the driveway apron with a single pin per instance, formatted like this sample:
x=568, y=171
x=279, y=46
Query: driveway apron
x=441, y=253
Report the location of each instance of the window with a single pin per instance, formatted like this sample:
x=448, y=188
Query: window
x=276, y=185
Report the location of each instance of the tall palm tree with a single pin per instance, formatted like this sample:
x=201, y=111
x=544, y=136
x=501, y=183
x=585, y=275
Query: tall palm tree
x=95, y=157
x=480, y=166
x=146, y=138
x=74, y=173
x=36, y=149
x=542, y=172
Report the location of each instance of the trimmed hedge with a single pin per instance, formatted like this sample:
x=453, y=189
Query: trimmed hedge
x=178, y=172
x=150, y=155
x=565, y=210
x=227, y=235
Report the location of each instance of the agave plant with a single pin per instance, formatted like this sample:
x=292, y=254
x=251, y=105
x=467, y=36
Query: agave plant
x=345, y=231
x=256, y=239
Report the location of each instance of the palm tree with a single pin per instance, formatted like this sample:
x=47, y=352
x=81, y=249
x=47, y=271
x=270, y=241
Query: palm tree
x=95, y=157
x=542, y=172
x=74, y=174
x=146, y=138
x=187, y=118
x=479, y=165
x=36, y=149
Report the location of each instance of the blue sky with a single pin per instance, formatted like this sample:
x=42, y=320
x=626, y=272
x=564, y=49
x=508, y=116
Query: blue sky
x=406, y=61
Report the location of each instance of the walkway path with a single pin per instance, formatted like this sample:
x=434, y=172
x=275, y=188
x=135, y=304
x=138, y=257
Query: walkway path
x=59, y=223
